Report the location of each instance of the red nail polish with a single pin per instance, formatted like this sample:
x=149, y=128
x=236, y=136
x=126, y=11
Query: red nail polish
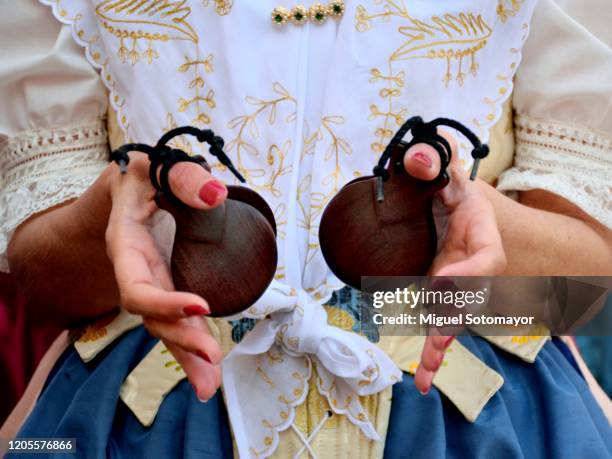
x=212, y=191
x=203, y=355
x=442, y=283
x=424, y=392
x=422, y=158
x=195, y=310
x=448, y=340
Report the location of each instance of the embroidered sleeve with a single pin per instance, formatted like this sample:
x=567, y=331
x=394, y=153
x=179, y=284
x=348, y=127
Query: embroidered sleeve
x=572, y=162
x=563, y=105
x=46, y=167
x=53, y=141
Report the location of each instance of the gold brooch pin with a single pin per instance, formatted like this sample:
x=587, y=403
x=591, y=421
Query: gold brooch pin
x=317, y=13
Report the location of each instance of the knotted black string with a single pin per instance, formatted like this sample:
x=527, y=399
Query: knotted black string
x=166, y=156
x=428, y=133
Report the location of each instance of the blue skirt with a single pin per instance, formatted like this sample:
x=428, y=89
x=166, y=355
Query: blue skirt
x=543, y=410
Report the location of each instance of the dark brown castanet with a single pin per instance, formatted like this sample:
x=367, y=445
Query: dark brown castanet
x=360, y=236
x=228, y=254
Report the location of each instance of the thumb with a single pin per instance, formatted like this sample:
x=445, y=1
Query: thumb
x=195, y=186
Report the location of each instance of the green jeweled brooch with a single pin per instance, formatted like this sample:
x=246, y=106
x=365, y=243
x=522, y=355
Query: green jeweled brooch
x=299, y=14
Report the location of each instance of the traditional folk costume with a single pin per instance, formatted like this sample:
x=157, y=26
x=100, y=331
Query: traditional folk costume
x=306, y=100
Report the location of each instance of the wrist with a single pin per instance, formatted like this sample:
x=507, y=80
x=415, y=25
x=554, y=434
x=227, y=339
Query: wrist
x=89, y=213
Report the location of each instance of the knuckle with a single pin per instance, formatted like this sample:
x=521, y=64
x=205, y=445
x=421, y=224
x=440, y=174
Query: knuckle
x=110, y=236
x=429, y=362
x=501, y=262
x=139, y=165
x=450, y=138
x=206, y=393
x=182, y=175
x=188, y=340
x=215, y=353
x=151, y=328
x=128, y=300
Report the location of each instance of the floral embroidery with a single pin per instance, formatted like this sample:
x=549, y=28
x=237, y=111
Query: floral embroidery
x=222, y=7
x=508, y=8
x=246, y=126
x=164, y=20
x=450, y=37
x=95, y=331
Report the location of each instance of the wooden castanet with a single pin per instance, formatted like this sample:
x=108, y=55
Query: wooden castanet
x=361, y=236
x=228, y=254
x=383, y=224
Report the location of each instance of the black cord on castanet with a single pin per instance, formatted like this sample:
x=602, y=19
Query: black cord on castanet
x=428, y=133
x=166, y=157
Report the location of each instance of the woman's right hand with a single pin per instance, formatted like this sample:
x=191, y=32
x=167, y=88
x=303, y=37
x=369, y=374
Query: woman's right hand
x=143, y=276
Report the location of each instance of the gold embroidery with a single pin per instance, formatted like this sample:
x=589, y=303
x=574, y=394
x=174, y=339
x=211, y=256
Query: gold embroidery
x=503, y=90
x=262, y=374
x=504, y=12
x=171, y=363
x=318, y=200
x=520, y=340
x=179, y=142
x=246, y=125
x=94, y=331
x=280, y=272
x=309, y=414
x=222, y=7
x=197, y=84
x=164, y=19
x=281, y=221
x=449, y=37
x=284, y=414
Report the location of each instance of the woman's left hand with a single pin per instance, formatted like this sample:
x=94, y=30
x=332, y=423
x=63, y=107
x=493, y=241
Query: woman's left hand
x=472, y=246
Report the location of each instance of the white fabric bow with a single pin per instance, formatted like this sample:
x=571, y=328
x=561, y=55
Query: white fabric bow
x=266, y=376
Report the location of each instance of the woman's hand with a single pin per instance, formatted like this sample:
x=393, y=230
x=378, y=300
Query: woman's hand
x=143, y=277
x=472, y=246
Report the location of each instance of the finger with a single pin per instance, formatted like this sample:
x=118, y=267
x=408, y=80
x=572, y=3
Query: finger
x=141, y=272
x=484, y=241
x=487, y=262
x=191, y=335
x=422, y=161
x=203, y=376
x=195, y=186
x=431, y=360
x=140, y=296
x=423, y=380
x=433, y=352
x=452, y=141
x=161, y=273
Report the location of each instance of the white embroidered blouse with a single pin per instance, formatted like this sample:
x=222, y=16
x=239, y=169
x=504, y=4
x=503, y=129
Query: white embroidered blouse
x=303, y=110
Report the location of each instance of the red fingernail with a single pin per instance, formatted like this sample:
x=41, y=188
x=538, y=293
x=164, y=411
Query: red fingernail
x=203, y=355
x=424, y=392
x=195, y=310
x=448, y=340
x=212, y=191
x=422, y=158
x=442, y=283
